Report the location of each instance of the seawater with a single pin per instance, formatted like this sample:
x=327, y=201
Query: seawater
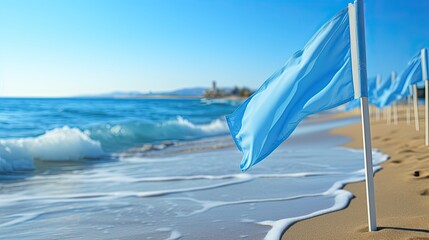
x=159, y=169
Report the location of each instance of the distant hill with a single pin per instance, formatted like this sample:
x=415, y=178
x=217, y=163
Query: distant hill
x=196, y=92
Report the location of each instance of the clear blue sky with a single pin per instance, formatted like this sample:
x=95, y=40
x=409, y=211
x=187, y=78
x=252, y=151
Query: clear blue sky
x=72, y=47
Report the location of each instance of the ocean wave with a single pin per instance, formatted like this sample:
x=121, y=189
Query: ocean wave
x=120, y=136
x=72, y=144
x=59, y=144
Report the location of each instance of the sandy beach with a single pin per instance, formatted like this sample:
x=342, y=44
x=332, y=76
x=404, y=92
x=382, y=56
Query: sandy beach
x=401, y=188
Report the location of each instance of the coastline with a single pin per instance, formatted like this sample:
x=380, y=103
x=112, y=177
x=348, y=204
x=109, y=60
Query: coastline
x=402, y=199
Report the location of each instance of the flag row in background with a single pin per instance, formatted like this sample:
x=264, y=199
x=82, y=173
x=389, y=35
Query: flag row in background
x=384, y=94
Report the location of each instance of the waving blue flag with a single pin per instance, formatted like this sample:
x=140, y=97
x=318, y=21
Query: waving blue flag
x=411, y=75
x=372, y=84
x=379, y=91
x=400, y=88
x=384, y=86
x=372, y=87
x=314, y=79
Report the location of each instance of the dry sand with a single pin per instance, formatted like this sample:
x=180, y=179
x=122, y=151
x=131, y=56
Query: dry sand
x=401, y=189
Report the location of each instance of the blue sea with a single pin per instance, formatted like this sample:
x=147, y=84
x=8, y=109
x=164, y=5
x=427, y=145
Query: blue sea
x=160, y=169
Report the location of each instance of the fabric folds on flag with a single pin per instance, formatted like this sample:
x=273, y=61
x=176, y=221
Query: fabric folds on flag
x=314, y=79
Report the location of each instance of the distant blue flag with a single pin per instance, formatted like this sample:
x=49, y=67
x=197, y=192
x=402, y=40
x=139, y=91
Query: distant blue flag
x=411, y=75
x=400, y=87
x=314, y=79
x=355, y=103
x=379, y=91
x=372, y=86
x=384, y=86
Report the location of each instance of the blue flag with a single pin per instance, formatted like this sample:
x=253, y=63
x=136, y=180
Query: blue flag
x=384, y=86
x=400, y=88
x=411, y=75
x=372, y=84
x=379, y=91
x=314, y=79
x=372, y=87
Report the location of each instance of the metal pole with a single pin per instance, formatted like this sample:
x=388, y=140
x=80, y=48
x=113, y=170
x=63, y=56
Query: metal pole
x=425, y=78
x=369, y=174
x=416, y=109
x=409, y=107
x=378, y=83
x=395, y=113
x=358, y=54
x=389, y=115
x=394, y=106
x=377, y=114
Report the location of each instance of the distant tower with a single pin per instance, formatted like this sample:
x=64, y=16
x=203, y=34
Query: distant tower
x=214, y=86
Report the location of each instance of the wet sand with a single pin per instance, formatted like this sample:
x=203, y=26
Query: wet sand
x=401, y=188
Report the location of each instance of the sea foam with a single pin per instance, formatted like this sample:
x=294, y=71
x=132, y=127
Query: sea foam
x=59, y=144
x=342, y=199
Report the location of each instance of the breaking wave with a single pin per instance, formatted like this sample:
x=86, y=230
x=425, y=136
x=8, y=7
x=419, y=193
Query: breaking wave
x=116, y=137
x=73, y=144
x=59, y=144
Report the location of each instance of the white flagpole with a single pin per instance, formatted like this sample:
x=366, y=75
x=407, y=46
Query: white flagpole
x=409, y=106
x=408, y=109
x=416, y=109
x=424, y=57
x=377, y=113
x=395, y=104
x=389, y=115
x=395, y=113
x=358, y=54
